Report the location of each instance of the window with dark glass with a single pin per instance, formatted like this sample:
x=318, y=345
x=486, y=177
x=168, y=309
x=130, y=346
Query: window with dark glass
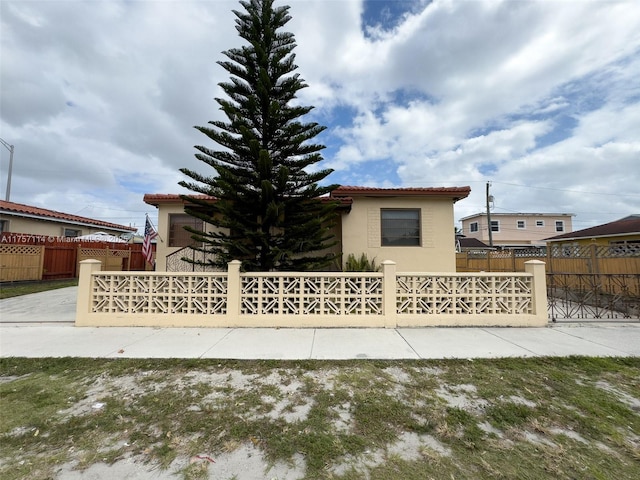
x=400, y=227
x=473, y=227
x=559, y=226
x=178, y=236
x=495, y=225
x=70, y=232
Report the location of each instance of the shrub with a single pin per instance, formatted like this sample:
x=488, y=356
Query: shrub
x=362, y=264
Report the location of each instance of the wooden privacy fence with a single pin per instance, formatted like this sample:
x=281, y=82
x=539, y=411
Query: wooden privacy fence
x=558, y=259
x=21, y=262
x=111, y=259
x=59, y=257
x=310, y=299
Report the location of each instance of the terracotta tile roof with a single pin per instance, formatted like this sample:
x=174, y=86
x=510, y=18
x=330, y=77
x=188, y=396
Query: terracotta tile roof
x=624, y=226
x=28, y=210
x=342, y=194
x=156, y=199
x=457, y=193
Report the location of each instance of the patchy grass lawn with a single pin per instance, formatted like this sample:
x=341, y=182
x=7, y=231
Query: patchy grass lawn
x=9, y=290
x=532, y=418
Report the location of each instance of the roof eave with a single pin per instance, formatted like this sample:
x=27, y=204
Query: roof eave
x=117, y=228
x=455, y=193
x=561, y=239
x=156, y=199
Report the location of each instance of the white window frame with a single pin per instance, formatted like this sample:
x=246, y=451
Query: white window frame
x=560, y=223
x=497, y=225
x=473, y=227
x=540, y=223
x=524, y=224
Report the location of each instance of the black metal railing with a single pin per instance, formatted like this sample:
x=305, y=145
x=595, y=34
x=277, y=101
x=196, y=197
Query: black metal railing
x=187, y=259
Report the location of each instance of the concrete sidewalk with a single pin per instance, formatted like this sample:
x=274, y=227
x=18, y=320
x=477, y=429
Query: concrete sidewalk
x=41, y=325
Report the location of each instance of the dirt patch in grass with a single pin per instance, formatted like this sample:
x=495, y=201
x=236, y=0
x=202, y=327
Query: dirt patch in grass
x=199, y=419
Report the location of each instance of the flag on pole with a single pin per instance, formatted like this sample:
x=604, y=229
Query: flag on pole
x=149, y=234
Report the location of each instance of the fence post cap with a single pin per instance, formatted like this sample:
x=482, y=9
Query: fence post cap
x=388, y=262
x=235, y=262
x=90, y=260
x=535, y=262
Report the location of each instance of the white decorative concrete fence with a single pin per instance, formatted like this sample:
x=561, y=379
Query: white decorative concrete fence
x=295, y=299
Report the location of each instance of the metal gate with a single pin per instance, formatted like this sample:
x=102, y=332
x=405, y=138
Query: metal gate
x=593, y=296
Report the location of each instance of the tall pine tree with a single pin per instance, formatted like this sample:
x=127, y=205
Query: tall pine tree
x=268, y=213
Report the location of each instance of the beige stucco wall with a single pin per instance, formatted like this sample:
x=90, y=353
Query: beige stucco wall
x=510, y=234
x=48, y=228
x=361, y=233
x=162, y=240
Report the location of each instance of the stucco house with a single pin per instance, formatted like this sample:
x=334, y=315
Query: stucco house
x=514, y=230
x=30, y=220
x=623, y=236
x=414, y=227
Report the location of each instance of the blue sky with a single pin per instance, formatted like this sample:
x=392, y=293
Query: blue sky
x=540, y=98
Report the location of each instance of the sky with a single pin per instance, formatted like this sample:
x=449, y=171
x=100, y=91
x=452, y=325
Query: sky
x=539, y=98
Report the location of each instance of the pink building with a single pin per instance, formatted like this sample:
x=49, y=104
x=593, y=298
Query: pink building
x=517, y=229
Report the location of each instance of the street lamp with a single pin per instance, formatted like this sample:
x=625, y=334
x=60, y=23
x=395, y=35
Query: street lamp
x=10, y=148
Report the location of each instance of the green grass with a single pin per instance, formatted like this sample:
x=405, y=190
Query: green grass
x=9, y=290
x=507, y=418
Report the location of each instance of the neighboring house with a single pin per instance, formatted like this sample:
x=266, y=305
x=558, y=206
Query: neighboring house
x=414, y=227
x=516, y=229
x=464, y=244
x=30, y=220
x=623, y=236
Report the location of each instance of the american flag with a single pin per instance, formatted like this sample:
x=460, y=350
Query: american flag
x=149, y=234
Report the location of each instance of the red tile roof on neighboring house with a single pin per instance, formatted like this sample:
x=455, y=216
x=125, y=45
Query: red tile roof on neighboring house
x=624, y=226
x=457, y=193
x=19, y=209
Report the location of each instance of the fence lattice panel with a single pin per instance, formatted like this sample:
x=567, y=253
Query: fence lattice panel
x=464, y=295
x=311, y=295
x=159, y=294
x=20, y=262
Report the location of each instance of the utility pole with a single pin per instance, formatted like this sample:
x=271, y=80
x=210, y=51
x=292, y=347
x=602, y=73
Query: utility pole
x=10, y=148
x=489, y=217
